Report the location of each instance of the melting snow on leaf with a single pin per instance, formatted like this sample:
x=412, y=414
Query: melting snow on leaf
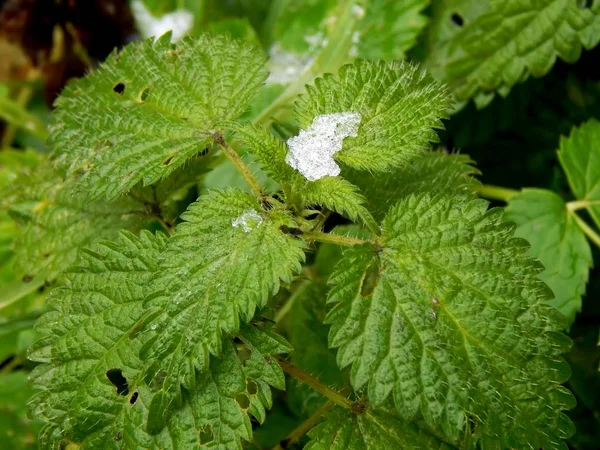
x=248, y=221
x=311, y=152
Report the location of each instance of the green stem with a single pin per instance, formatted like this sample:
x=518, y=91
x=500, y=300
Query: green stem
x=281, y=313
x=329, y=238
x=326, y=391
x=236, y=160
x=305, y=426
x=587, y=230
x=581, y=204
x=492, y=192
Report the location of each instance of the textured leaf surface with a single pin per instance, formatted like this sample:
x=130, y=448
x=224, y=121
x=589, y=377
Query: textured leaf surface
x=513, y=40
x=59, y=222
x=371, y=430
x=448, y=321
x=97, y=330
x=334, y=193
x=558, y=242
x=579, y=156
x=400, y=107
x=149, y=108
x=219, y=267
x=434, y=172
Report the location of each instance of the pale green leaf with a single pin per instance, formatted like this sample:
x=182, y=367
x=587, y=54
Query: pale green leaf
x=222, y=264
x=513, y=40
x=17, y=431
x=579, y=157
x=400, y=106
x=449, y=320
x=371, y=430
x=432, y=172
x=149, y=108
x=558, y=242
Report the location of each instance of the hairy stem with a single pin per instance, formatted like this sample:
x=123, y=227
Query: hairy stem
x=321, y=388
x=500, y=193
x=587, y=230
x=330, y=238
x=305, y=426
x=240, y=165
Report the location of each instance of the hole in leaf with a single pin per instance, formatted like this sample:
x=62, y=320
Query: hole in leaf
x=251, y=388
x=27, y=278
x=169, y=159
x=119, y=88
x=133, y=398
x=242, y=400
x=204, y=151
x=115, y=376
x=144, y=95
x=206, y=435
x=457, y=19
x=244, y=353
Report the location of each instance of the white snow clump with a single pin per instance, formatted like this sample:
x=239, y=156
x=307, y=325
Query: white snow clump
x=311, y=152
x=180, y=22
x=248, y=221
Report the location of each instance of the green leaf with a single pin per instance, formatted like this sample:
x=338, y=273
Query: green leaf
x=390, y=28
x=590, y=35
x=60, y=222
x=308, y=337
x=579, y=157
x=92, y=389
x=371, y=430
x=334, y=193
x=449, y=321
x=512, y=41
x=399, y=106
x=149, y=108
x=433, y=172
x=17, y=431
x=222, y=264
x=558, y=242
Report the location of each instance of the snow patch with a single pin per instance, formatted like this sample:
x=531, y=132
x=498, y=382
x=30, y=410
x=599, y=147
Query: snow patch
x=180, y=22
x=248, y=221
x=358, y=11
x=285, y=67
x=311, y=152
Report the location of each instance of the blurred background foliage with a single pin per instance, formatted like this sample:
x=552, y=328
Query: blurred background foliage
x=513, y=138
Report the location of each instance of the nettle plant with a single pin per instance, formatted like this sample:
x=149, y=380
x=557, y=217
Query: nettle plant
x=167, y=331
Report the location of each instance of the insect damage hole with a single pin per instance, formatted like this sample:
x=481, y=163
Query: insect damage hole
x=144, y=95
x=457, y=20
x=119, y=88
x=115, y=376
x=133, y=398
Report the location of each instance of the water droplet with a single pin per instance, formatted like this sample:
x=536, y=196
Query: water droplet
x=248, y=221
